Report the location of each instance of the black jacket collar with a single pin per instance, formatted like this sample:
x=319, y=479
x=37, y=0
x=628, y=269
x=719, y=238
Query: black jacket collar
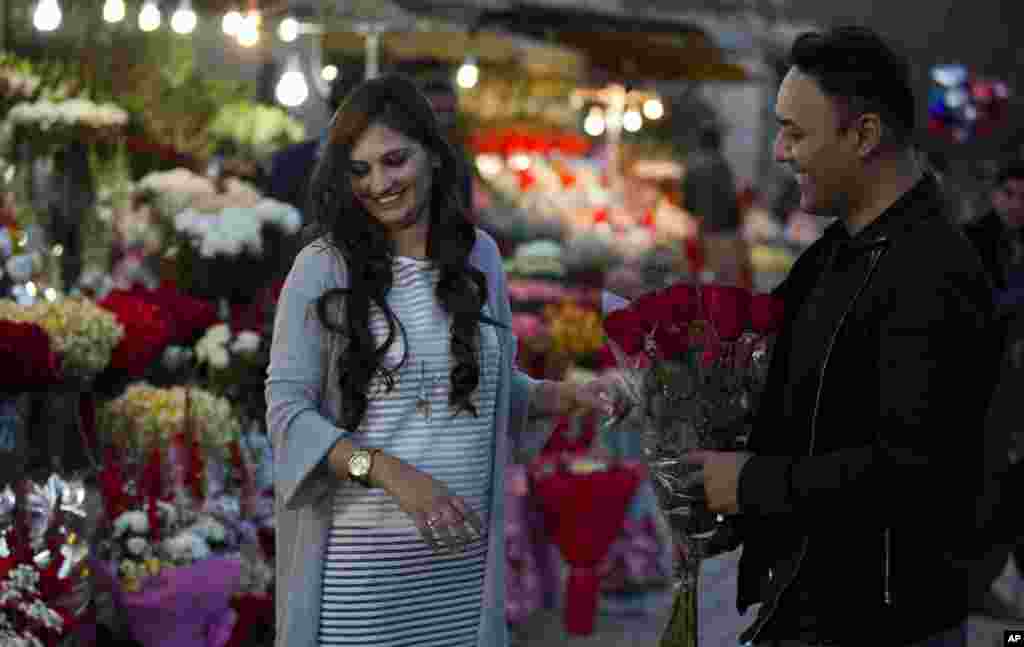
x=911, y=207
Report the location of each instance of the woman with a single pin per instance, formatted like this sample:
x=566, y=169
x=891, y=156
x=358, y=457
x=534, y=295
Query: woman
x=392, y=396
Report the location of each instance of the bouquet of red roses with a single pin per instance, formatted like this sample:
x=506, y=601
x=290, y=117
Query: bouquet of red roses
x=694, y=359
x=28, y=357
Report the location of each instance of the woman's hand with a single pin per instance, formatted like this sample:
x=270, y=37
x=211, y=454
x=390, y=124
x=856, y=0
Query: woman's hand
x=602, y=395
x=445, y=520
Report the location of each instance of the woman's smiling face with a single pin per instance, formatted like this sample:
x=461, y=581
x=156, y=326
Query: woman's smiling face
x=392, y=177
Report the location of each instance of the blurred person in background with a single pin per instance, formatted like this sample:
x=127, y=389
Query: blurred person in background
x=999, y=239
x=709, y=194
x=292, y=166
x=998, y=235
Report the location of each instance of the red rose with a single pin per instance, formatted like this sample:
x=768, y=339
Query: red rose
x=766, y=314
x=727, y=308
x=29, y=360
x=626, y=328
x=187, y=315
x=147, y=331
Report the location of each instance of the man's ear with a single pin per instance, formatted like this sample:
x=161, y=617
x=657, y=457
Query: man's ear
x=870, y=133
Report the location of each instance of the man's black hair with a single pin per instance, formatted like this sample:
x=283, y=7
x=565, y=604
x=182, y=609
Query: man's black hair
x=856, y=67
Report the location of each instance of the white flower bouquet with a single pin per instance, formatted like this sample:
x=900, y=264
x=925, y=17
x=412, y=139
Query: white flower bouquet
x=50, y=125
x=235, y=252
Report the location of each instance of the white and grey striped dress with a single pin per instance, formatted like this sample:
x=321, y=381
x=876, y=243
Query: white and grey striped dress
x=382, y=585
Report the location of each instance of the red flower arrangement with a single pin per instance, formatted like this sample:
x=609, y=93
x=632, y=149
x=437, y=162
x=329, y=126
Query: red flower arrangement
x=509, y=141
x=187, y=315
x=27, y=357
x=148, y=330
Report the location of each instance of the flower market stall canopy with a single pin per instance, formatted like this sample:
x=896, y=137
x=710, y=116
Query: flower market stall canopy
x=620, y=47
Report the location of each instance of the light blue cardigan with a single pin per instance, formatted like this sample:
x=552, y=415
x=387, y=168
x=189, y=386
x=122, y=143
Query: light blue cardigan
x=303, y=405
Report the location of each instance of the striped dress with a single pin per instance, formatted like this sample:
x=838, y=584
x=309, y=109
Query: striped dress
x=382, y=585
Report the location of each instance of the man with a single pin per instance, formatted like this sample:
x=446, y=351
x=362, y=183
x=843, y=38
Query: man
x=998, y=235
x=292, y=166
x=857, y=503
x=999, y=239
x=709, y=194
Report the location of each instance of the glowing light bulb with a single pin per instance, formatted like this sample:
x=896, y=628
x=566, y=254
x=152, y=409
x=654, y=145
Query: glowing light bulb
x=288, y=30
x=329, y=73
x=113, y=11
x=149, y=16
x=292, y=90
x=184, y=19
x=47, y=15
x=654, y=109
x=632, y=121
x=468, y=75
x=232, y=23
x=594, y=124
x=249, y=30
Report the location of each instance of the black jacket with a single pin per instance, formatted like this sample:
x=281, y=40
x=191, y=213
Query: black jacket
x=881, y=474
x=986, y=234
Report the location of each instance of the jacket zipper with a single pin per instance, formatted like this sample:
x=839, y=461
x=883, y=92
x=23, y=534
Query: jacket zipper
x=888, y=567
x=875, y=256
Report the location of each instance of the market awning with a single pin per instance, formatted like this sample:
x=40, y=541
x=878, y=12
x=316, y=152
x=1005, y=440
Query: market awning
x=621, y=47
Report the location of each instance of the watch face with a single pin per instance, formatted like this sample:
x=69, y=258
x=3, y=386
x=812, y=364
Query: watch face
x=360, y=464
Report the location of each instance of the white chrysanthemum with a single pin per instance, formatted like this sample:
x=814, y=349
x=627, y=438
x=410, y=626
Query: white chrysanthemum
x=136, y=546
x=133, y=520
x=246, y=342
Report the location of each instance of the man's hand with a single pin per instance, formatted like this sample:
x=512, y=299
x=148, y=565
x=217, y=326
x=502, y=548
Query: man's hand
x=720, y=473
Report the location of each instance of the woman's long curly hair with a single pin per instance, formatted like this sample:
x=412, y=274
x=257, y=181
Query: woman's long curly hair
x=368, y=249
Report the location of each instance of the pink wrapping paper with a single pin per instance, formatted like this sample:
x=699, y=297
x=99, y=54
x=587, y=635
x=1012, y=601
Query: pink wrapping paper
x=188, y=606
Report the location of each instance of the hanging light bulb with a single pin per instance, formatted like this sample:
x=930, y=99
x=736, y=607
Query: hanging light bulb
x=468, y=74
x=113, y=11
x=632, y=121
x=184, y=19
x=292, y=90
x=654, y=109
x=594, y=124
x=149, y=16
x=288, y=30
x=329, y=73
x=232, y=22
x=249, y=30
x=47, y=15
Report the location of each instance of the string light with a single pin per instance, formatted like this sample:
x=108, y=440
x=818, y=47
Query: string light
x=632, y=121
x=249, y=29
x=329, y=73
x=149, y=16
x=594, y=124
x=113, y=11
x=232, y=22
x=184, y=19
x=292, y=90
x=288, y=30
x=47, y=15
x=654, y=109
x=469, y=74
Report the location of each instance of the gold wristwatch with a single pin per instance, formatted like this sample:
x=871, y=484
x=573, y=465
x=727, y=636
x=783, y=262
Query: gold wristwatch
x=360, y=464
